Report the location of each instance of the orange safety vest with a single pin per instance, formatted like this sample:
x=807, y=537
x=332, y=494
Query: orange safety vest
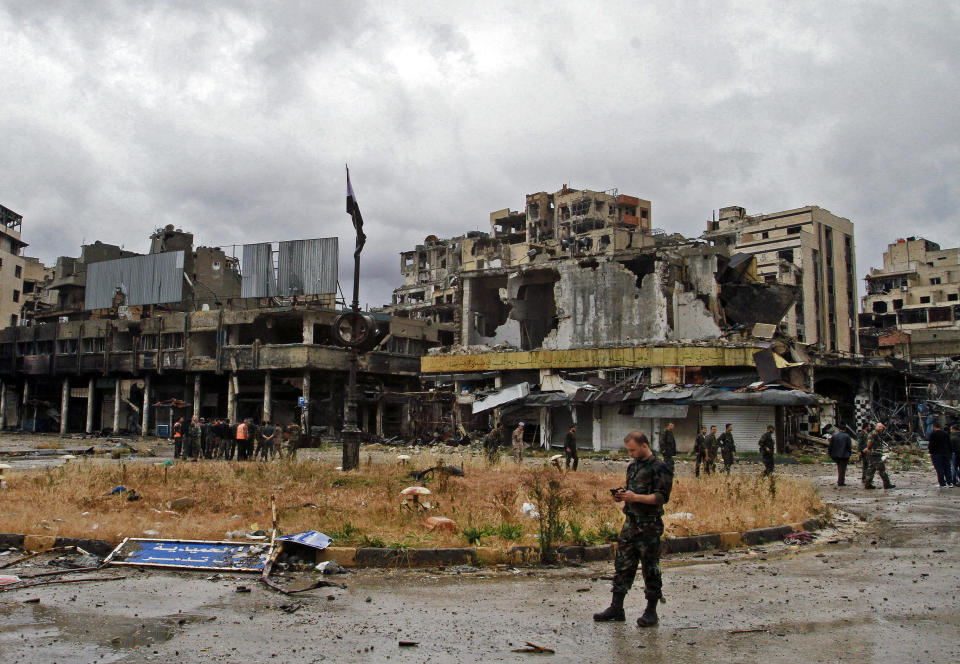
x=242, y=431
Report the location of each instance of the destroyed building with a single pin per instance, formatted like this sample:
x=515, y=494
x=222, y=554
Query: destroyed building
x=576, y=311
x=11, y=266
x=911, y=308
x=127, y=342
x=807, y=247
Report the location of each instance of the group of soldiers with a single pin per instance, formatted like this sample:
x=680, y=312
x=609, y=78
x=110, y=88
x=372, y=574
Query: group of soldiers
x=245, y=441
x=709, y=445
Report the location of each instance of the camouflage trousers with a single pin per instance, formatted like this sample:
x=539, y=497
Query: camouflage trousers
x=518, y=452
x=727, y=461
x=639, y=544
x=876, y=466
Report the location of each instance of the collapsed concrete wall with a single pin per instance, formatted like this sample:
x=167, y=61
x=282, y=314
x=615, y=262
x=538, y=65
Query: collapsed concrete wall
x=605, y=307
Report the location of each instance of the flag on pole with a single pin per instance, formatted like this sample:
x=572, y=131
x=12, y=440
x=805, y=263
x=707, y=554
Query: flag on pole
x=354, y=211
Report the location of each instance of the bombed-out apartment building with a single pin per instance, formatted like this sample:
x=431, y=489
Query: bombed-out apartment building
x=807, y=247
x=911, y=308
x=574, y=310
x=119, y=341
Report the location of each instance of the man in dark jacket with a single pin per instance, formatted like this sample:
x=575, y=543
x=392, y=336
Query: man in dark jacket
x=841, y=447
x=700, y=450
x=767, y=448
x=955, y=446
x=727, y=448
x=668, y=446
x=570, y=448
x=941, y=455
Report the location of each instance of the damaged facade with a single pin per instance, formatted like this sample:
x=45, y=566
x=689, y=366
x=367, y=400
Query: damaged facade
x=806, y=247
x=559, y=306
x=911, y=308
x=117, y=347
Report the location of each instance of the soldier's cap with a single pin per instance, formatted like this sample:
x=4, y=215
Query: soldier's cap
x=520, y=424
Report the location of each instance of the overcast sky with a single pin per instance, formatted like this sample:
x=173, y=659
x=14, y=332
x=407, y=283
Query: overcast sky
x=234, y=120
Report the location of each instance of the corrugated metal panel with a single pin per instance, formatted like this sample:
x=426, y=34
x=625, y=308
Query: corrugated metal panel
x=150, y=279
x=749, y=423
x=308, y=267
x=258, y=278
x=304, y=267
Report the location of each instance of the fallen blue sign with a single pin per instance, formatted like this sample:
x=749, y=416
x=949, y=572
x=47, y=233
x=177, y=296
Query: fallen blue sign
x=190, y=554
x=312, y=538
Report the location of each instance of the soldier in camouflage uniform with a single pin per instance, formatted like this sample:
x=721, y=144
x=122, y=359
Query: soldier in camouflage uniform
x=874, y=456
x=668, y=446
x=861, y=449
x=710, y=444
x=648, y=486
x=700, y=450
x=767, y=449
x=727, y=448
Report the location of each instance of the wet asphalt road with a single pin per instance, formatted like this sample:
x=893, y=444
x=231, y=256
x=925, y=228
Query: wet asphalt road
x=883, y=591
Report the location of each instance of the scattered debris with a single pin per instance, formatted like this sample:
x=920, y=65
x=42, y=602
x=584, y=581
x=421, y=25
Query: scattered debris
x=7, y=579
x=291, y=608
x=530, y=510
x=242, y=589
x=182, y=503
x=799, y=537
x=440, y=523
x=405, y=644
x=748, y=631
x=534, y=648
x=463, y=569
x=330, y=567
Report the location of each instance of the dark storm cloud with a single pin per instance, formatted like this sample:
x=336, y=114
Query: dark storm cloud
x=234, y=120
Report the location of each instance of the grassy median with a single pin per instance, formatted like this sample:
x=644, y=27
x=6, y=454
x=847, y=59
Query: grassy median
x=363, y=508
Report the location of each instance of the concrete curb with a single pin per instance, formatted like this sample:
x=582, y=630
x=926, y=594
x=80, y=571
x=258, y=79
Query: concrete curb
x=480, y=555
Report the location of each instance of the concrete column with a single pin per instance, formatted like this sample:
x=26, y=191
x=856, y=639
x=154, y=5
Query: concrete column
x=597, y=428
x=380, y=408
x=145, y=413
x=305, y=411
x=64, y=405
x=232, y=398
x=466, y=315
x=545, y=427
x=91, y=386
x=196, y=395
x=3, y=404
x=116, y=407
x=405, y=426
x=267, y=397
x=26, y=397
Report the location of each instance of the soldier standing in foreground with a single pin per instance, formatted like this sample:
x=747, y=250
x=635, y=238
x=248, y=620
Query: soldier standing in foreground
x=766, y=450
x=727, y=448
x=648, y=486
x=668, y=446
x=700, y=449
x=874, y=457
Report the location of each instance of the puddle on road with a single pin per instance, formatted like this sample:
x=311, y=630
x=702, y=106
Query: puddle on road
x=33, y=623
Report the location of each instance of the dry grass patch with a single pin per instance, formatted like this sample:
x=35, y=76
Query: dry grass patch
x=363, y=508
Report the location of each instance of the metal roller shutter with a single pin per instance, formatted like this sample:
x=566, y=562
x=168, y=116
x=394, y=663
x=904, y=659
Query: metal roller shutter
x=749, y=423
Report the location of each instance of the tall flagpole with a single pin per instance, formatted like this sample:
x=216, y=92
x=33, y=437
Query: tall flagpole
x=350, y=434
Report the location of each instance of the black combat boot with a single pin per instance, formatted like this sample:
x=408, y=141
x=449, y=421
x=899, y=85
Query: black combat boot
x=614, y=612
x=649, y=617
